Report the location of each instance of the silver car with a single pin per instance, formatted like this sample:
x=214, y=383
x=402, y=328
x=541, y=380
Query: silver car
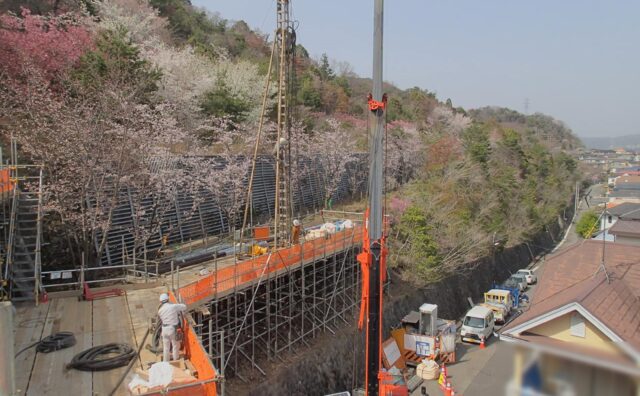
x=520, y=280
x=529, y=275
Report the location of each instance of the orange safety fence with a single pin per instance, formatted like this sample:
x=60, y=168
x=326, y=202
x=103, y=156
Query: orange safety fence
x=196, y=354
x=247, y=271
x=6, y=184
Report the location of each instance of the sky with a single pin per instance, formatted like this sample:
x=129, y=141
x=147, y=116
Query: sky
x=576, y=60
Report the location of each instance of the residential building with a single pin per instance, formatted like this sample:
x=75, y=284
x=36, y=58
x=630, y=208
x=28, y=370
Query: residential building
x=581, y=333
x=626, y=210
x=626, y=231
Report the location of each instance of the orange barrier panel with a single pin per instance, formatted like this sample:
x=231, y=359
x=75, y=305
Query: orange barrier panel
x=261, y=233
x=195, y=352
x=5, y=181
x=228, y=278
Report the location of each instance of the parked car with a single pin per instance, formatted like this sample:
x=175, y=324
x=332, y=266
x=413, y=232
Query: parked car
x=478, y=324
x=528, y=275
x=518, y=279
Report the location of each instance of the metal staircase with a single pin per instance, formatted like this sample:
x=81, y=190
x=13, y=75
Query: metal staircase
x=23, y=261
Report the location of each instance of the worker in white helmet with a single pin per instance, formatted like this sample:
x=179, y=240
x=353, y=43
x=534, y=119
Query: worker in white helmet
x=170, y=320
x=296, y=230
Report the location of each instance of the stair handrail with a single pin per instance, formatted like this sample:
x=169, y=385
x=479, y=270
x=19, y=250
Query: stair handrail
x=38, y=257
x=12, y=230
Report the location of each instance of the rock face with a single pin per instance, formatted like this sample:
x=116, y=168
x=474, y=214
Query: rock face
x=328, y=366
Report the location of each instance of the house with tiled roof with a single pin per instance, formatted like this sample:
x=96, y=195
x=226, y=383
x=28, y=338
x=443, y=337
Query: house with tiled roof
x=626, y=231
x=581, y=332
x=617, y=211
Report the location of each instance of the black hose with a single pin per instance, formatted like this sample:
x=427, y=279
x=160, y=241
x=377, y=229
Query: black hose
x=98, y=358
x=54, y=342
x=155, y=346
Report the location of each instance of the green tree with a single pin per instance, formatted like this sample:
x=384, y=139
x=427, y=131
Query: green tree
x=423, y=249
x=309, y=95
x=221, y=102
x=117, y=60
x=587, y=224
x=325, y=70
x=476, y=142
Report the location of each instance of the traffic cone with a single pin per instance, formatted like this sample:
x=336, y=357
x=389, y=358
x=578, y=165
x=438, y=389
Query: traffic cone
x=482, y=346
x=448, y=390
x=442, y=380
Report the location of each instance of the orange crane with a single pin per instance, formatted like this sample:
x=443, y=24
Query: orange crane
x=374, y=252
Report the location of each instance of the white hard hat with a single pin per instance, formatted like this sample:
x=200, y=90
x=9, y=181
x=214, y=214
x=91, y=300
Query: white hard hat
x=296, y=222
x=283, y=141
x=164, y=297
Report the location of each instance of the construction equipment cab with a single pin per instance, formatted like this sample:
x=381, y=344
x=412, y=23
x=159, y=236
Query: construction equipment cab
x=477, y=324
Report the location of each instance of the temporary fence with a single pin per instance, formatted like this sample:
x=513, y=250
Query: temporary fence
x=182, y=223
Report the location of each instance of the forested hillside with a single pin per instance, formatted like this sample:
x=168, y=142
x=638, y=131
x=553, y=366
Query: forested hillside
x=101, y=92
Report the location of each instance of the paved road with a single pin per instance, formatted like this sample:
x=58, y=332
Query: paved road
x=486, y=372
x=594, y=196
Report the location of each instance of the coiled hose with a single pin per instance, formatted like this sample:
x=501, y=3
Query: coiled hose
x=101, y=358
x=54, y=342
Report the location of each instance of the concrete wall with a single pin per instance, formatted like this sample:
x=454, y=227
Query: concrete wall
x=334, y=363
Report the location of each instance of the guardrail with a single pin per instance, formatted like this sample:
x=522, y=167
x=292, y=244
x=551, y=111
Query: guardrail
x=78, y=276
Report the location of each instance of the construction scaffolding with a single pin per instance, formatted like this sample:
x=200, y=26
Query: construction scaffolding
x=256, y=310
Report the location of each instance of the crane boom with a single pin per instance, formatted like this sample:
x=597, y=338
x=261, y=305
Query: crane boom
x=372, y=257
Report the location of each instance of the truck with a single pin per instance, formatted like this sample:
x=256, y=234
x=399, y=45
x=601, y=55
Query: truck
x=514, y=290
x=500, y=302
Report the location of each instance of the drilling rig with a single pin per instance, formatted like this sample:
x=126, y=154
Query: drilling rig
x=285, y=44
x=374, y=252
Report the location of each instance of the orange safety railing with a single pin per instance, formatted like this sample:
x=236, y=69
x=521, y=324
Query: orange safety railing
x=247, y=271
x=205, y=385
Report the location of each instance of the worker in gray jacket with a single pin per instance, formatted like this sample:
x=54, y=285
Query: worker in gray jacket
x=170, y=320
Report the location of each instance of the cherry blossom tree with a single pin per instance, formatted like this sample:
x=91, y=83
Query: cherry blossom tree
x=224, y=175
x=332, y=149
x=92, y=150
x=404, y=154
x=50, y=45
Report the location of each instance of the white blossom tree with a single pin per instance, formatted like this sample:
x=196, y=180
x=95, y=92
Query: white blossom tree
x=332, y=149
x=224, y=174
x=92, y=148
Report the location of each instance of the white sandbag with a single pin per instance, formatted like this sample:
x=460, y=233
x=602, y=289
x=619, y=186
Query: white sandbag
x=348, y=224
x=137, y=381
x=428, y=370
x=160, y=374
x=330, y=228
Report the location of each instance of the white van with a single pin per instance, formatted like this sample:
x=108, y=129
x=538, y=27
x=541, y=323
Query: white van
x=477, y=324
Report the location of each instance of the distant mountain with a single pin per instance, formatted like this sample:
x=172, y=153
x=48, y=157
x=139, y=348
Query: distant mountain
x=628, y=142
